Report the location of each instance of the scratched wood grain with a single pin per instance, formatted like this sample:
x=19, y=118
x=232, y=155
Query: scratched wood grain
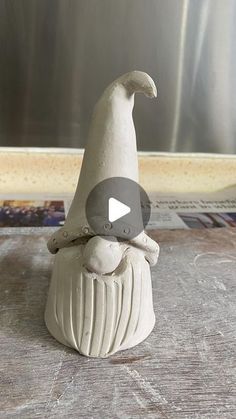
x=185, y=369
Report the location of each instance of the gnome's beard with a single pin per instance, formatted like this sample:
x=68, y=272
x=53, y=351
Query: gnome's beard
x=99, y=314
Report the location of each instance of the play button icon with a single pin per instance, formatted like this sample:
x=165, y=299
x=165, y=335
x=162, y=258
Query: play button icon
x=116, y=209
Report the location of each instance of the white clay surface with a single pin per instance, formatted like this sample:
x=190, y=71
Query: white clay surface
x=100, y=298
x=100, y=314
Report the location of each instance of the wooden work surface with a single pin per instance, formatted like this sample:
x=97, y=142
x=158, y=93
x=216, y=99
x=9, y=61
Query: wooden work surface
x=185, y=369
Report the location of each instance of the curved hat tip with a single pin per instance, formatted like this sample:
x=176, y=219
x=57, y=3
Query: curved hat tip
x=139, y=82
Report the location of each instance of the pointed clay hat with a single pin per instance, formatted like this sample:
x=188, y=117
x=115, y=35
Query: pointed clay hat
x=110, y=152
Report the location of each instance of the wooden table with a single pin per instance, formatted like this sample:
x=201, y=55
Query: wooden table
x=185, y=369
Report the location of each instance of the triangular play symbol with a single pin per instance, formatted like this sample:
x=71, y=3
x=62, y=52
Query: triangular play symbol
x=117, y=209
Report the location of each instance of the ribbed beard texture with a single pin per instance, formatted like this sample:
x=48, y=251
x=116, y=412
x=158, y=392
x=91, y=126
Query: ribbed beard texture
x=100, y=314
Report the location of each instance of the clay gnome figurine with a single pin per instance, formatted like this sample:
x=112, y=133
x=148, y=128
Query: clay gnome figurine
x=100, y=297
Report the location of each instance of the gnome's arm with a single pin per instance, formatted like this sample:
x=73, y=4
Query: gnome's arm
x=150, y=247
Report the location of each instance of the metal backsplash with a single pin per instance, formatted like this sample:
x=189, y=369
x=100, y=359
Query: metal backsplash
x=57, y=56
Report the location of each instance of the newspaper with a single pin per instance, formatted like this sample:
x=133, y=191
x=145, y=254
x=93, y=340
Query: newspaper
x=199, y=210
x=168, y=211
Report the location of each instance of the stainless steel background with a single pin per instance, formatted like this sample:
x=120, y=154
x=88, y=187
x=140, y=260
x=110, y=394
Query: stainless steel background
x=57, y=56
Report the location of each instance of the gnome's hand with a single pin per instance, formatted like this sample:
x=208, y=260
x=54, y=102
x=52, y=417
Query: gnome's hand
x=102, y=255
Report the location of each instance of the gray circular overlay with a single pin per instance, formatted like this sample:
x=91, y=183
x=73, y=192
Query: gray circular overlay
x=112, y=194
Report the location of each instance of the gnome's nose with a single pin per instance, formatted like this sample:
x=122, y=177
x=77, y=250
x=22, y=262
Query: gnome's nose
x=102, y=255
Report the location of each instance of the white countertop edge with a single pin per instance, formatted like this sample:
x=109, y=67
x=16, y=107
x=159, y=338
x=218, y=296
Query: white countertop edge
x=79, y=151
